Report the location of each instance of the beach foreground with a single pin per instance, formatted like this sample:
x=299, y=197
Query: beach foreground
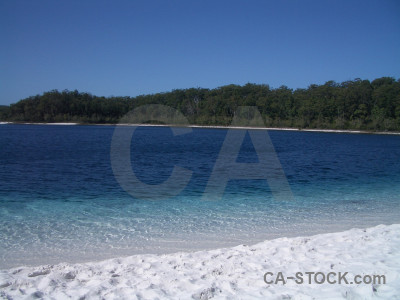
x=230, y=273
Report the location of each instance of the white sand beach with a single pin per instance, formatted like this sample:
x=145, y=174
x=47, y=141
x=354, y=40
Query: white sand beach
x=231, y=273
x=262, y=128
x=227, y=127
x=60, y=123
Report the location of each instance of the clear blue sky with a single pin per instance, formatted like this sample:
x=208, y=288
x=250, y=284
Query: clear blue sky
x=127, y=48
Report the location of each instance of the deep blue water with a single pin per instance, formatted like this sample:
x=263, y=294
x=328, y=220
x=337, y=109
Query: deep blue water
x=60, y=201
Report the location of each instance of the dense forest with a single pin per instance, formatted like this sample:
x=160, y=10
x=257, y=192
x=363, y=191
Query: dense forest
x=355, y=104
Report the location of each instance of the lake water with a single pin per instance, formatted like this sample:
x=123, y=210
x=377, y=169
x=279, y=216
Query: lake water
x=60, y=201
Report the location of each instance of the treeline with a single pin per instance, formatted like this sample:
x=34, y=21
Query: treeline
x=355, y=104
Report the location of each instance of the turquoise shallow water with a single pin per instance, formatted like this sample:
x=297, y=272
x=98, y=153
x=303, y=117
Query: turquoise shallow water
x=59, y=199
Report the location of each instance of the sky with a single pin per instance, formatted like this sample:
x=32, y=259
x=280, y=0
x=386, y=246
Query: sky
x=128, y=48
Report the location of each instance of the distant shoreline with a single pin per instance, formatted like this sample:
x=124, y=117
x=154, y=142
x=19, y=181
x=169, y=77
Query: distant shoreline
x=353, y=131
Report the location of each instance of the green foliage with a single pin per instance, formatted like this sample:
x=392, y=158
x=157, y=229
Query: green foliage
x=4, y=112
x=355, y=104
